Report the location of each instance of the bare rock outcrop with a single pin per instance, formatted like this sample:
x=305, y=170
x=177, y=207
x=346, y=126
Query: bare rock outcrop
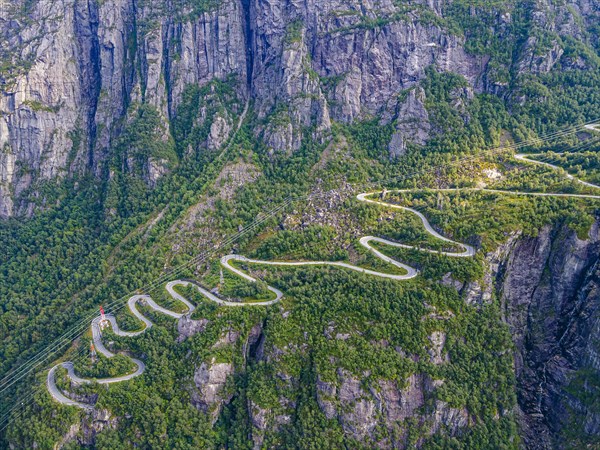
x=84, y=432
x=187, y=327
x=399, y=404
x=362, y=410
x=210, y=380
x=412, y=123
x=453, y=419
x=436, y=351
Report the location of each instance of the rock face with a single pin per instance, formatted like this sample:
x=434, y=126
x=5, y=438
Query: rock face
x=42, y=108
x=436, y=352
x=550, y=289
x=361, y=411
x=412, y=123
x=210, y=380
x=541, y=55
x=84, y=432
x=188, y=327
x=76, y=69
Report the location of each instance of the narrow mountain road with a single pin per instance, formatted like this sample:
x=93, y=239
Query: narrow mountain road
x=226, y=262
x=524, y=157
x=468, y=250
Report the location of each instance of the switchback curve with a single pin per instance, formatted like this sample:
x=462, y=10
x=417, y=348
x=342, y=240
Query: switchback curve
x=226, y=262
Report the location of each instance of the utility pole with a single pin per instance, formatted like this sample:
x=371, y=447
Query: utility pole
x=103, y=320
x=93, y=354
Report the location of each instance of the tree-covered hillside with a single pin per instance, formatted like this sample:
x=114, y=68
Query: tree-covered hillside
x=204, y=129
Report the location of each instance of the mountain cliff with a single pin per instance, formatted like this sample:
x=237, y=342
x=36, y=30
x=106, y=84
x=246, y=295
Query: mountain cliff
x=549, y=287
x=76, y=72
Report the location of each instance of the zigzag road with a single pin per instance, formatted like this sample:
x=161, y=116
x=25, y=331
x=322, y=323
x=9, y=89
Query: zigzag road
x=226, y=262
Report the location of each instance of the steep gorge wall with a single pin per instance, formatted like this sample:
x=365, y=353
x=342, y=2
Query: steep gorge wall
x=550, y=290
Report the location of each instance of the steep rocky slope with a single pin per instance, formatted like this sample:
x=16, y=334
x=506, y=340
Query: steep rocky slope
x=549, y=287
x=75, y=71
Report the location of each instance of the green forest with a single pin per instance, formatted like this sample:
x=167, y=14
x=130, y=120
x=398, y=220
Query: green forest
x=337, y=333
